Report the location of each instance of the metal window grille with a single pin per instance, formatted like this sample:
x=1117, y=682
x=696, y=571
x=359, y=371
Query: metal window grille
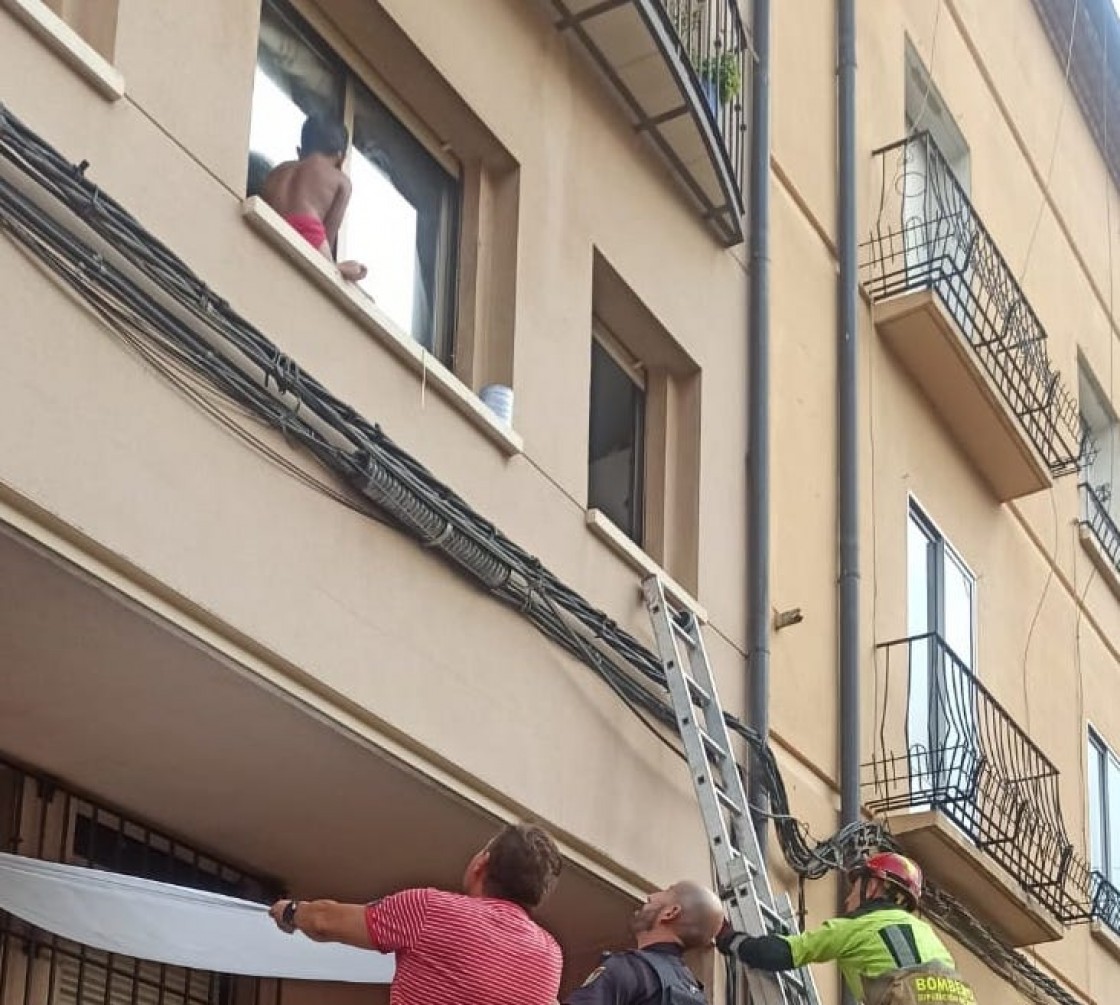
x=43, y=819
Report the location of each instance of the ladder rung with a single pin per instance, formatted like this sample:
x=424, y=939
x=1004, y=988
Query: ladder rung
x=732, y=806
x=699, y=695
x=771, y=914
x=681, y=631
x=711, y=745
x=795, y=978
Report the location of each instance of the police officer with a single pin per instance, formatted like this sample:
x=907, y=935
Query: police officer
x=686, y=916
x=888, y=955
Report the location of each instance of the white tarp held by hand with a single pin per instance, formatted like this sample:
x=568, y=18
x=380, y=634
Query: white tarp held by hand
x=173, y=924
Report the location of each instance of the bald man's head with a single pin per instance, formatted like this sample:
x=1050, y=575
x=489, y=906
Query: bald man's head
x=701, y=914
x=687, y=913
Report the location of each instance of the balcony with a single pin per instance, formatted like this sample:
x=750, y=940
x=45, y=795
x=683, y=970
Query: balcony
x=1099, y=534
x=967, y=793
x=1106, y=912
x=680, y=68
x=948, y=306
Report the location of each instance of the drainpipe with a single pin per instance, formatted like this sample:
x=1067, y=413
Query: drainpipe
x=758, y=428
x=847, y=422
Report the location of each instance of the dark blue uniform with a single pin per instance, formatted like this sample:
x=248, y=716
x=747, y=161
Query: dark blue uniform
x=651, y=976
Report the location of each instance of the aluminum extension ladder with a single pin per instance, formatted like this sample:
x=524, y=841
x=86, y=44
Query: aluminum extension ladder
x=743, y=882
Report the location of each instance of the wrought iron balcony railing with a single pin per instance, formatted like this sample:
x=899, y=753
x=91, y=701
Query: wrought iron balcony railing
x=944, y=743
x=710, y=38
x=681, y=68
x=1095, y=516
x=1106, y=902
x=928, y=236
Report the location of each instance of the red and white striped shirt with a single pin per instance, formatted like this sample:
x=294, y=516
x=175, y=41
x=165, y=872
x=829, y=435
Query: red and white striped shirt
x=457, y=950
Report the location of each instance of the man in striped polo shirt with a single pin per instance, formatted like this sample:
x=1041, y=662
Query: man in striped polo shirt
x=457, y=948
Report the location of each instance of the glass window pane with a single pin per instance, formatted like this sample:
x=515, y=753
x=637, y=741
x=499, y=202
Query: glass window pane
x=616, y=443
x=919, y=583
x=957, y=615
x=403, y=225
x=919, y=591
x=293, y=79
x=1096, y=810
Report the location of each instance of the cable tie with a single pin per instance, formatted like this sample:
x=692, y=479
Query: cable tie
x=443, y=535
x=93, y=204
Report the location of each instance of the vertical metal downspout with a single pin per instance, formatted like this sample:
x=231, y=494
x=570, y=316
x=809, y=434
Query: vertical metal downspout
x=847, y=421
x=758, y=406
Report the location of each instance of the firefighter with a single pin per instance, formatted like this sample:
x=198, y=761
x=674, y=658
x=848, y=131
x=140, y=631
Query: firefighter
x=887, y=954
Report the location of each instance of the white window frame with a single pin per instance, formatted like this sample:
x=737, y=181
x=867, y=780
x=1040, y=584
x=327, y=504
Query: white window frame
x=1105, y=816
x=355, y=69
x=635, y=370
x=928, y=728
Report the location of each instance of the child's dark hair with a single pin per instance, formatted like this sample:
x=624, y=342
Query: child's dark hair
x=321, y=135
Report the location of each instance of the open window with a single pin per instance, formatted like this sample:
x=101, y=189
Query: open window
x=403, y=217
x=643, y=428
x=616, y=435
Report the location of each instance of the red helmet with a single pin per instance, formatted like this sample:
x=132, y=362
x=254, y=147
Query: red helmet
x=896, y=870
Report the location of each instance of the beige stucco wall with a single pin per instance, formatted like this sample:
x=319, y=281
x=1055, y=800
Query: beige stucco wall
x=372, y=620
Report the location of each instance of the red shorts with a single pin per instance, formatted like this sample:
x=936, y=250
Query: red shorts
x=309, y=227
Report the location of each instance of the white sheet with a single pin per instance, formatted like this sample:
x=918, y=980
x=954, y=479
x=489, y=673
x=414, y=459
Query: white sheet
x=173, y=924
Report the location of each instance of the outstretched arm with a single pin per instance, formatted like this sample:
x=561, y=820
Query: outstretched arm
x=831, y=941
x=323, y=921
x=333, y=220
x=768, y=952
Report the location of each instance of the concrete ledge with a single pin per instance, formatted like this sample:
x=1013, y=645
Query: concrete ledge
x=69, y=46
x=1106, y=937
x=612, y=535
x=929, y=345
x=983, y=886
x=266, y=222
x=1109, y=573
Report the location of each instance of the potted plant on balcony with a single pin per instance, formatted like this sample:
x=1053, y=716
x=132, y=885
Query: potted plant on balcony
x=720, y=79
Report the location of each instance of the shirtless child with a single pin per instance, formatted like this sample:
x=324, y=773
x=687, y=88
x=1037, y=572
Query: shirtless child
x=311, y=193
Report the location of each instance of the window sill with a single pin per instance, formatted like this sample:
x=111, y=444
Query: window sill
x=1109, y=573
x=1106, y=937
x=266, y=222
x=69, y=46
x=610, y=534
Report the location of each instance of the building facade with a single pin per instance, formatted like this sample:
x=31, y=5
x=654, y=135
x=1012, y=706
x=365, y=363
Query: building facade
x=291, y=602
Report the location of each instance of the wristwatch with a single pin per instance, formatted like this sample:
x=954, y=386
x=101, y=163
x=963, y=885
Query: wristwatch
x=288, y=915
